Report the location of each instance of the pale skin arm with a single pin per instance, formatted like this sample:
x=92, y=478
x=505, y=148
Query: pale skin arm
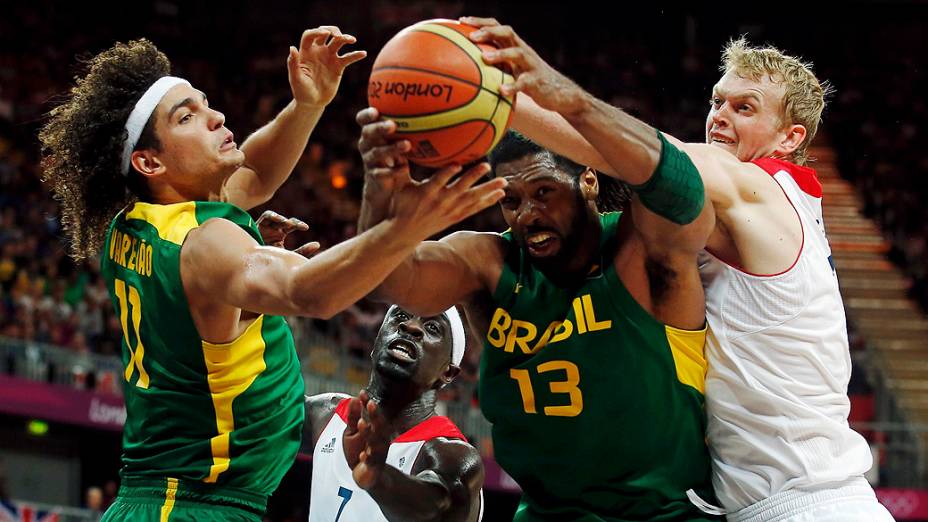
x=314, y=71
x=221, y=261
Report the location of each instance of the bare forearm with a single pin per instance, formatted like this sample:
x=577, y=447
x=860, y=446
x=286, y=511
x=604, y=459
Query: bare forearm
x=403, y=497
x=550, y=130
x=274, y=149
x=374, y=208
x=629, y=146
x=335, y=279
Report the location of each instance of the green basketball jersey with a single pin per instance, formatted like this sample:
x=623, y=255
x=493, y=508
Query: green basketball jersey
x=226, y=415
x=597, y=408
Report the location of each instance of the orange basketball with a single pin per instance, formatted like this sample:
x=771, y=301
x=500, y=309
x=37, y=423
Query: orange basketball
x=432, y=81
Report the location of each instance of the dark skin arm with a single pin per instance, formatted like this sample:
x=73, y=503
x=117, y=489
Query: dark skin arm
x=438, y=274
x=662, y=251
x=445, y=481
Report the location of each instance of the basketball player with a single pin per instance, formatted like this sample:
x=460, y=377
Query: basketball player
x=149, y=177
x=401, y=461
x=592, y=370
x=778, y=355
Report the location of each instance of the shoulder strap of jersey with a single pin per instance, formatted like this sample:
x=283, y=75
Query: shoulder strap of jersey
x=805, y=177
x=431, y=428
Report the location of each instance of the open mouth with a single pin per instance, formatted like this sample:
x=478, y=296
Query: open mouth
x=541, y=243
x=721, y=139
x=403, y=350
x=228, y=143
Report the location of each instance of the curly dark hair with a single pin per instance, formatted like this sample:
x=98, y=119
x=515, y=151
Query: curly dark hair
x=613, y=196
x=83, y=139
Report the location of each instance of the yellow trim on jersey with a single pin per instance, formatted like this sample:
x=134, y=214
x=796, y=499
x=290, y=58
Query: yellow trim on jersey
x=169, y=495
x=173, y=222
x=231, y=369
x=689, y=355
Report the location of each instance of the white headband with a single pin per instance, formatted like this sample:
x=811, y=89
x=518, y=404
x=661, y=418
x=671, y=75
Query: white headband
x=457, y=336
x=140, y=114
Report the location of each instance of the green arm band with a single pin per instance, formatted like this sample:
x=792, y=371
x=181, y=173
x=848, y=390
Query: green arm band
x=675, y=190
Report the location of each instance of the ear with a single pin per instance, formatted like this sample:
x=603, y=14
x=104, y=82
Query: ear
x=589, y=184
x=794, y=136
x=447, y=376
x=147, y=163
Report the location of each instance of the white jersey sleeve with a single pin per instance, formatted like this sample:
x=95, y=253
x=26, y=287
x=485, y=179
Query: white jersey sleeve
x=779, y=365
x=335, y=497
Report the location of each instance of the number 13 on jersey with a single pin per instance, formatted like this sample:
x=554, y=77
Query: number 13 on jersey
x=569, y=386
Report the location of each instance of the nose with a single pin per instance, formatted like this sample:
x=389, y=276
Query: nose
x=412, y=327
x=720, y=116
x=216, y=120
x=527, y=213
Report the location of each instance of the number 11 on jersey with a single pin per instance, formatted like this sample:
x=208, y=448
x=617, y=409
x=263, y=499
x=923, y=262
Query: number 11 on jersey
x=137, y=354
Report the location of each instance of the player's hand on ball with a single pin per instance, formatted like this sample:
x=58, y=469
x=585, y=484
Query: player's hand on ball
x=275, y=228
x=315, y=69
x=384, y=157
x=549, y=88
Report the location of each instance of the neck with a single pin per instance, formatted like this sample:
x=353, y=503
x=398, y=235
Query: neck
x=402, y=403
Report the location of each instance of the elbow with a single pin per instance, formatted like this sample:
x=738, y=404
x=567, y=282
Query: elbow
x=315, y=306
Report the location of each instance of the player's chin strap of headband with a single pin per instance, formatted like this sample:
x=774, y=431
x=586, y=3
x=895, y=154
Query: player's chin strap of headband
x=457, y=336
x=140, y=114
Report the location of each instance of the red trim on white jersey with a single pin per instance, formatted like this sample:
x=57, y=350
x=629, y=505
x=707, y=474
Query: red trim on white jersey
x=428, y=429
x=806, y=180
x=805, y=177
x=342, y=409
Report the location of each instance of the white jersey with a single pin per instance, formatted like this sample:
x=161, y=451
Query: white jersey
x=776, y=389
x=335, y=497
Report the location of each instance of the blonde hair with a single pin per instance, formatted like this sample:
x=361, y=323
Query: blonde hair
x=803, y=97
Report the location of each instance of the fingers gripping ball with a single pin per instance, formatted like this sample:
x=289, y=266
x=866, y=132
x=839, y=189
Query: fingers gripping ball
x=431, y=80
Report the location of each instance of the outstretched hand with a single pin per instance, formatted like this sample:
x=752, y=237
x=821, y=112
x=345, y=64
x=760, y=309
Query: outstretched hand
x=315, y=69
x=535, y=77
x=366, y=440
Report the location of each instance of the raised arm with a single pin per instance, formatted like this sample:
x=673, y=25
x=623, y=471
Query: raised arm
x=271, y=153
x=220, y=260
x=439, y=273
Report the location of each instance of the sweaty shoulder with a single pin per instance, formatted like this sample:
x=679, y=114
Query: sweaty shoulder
x=730, y=181
x=319, y=410
x=206, y=246
x=451, y=458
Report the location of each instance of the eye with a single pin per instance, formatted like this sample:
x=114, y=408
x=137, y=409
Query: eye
x=186, y=118
x=401, y=316
x=509, y=202
x=433, y=328
x=542, y=191
x=715, y=101
x=745, y=107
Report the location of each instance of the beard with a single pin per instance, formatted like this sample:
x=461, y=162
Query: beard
x=570, y=241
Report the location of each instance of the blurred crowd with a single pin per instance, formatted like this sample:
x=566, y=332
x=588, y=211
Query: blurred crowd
x=237, y=57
